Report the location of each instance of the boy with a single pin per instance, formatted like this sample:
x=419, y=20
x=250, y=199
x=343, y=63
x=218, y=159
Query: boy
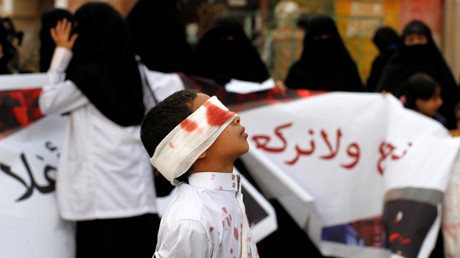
x=193, y=141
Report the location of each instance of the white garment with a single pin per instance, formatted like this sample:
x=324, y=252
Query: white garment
x=204, y=219
x=104, y=170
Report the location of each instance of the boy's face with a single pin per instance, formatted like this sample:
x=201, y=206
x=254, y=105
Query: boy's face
x=232, y=142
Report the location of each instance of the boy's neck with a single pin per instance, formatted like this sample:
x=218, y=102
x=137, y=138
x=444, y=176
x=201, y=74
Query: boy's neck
x=207, y=166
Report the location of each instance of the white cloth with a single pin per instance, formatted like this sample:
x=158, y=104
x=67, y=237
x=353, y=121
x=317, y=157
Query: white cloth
x=244, y=87
x=103, y=170
x=177, y=152
x=204, y=219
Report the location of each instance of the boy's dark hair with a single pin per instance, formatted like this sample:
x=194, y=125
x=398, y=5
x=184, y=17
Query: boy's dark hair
x=163, y=117
x=419, y=86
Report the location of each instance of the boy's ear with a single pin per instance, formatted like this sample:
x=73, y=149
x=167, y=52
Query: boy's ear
x=202, y=156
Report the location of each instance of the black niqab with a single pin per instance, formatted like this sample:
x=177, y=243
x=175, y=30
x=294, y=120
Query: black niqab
x=49, y=20
x=325, y=63
x=427, y=59
x=103, y=65
x=159, y=36
x=225, y=52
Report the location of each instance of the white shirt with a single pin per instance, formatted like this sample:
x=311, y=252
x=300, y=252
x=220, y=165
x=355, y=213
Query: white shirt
x=104, y=170
x=205, y=219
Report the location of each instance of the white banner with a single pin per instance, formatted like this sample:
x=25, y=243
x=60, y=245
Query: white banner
x=362, y=175
x=358, y=172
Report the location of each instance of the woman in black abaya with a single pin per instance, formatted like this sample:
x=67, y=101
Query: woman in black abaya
x=325, y=63
x=159, y=36
x=386, y=40
x=105, y=182
x=225, y=52
x=418, y=53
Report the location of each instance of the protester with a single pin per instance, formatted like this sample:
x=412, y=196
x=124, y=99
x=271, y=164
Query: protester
x=104, y=179
x=418, y=53
x=325, y=63
x=423, y=94
x=49, y=20
x=386, y=40
x=193, y=141
x=159, y=36
x=225, y=52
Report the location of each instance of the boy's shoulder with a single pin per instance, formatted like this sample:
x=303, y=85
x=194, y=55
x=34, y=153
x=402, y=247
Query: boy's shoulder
x=186, y=204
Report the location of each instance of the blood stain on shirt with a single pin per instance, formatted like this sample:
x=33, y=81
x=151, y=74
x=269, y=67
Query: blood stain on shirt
x=211, y=229
x=171, y=145
x=224, y=209
x=235, y=231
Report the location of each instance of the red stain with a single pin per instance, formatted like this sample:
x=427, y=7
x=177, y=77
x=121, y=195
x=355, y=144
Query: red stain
x=230, y=216
x=231, y=250
x=188, y=125
x=224, y=209
x=171, y=145
x=215, y=115
x=211, y=229
x=397, y=236
x=406, y=241
x=228, y=221
x=392, y=237
x=235, y=231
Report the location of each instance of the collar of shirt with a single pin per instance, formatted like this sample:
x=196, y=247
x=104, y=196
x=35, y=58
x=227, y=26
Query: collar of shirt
x=215, y=180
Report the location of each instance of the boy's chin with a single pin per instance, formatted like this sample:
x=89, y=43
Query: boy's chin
x=246, y=150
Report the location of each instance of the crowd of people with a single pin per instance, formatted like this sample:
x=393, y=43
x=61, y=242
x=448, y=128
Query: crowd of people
x=105, y=180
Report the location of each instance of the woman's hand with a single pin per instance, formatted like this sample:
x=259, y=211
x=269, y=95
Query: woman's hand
x=61, y=34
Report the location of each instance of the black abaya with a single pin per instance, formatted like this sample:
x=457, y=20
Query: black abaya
x=325, y=63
